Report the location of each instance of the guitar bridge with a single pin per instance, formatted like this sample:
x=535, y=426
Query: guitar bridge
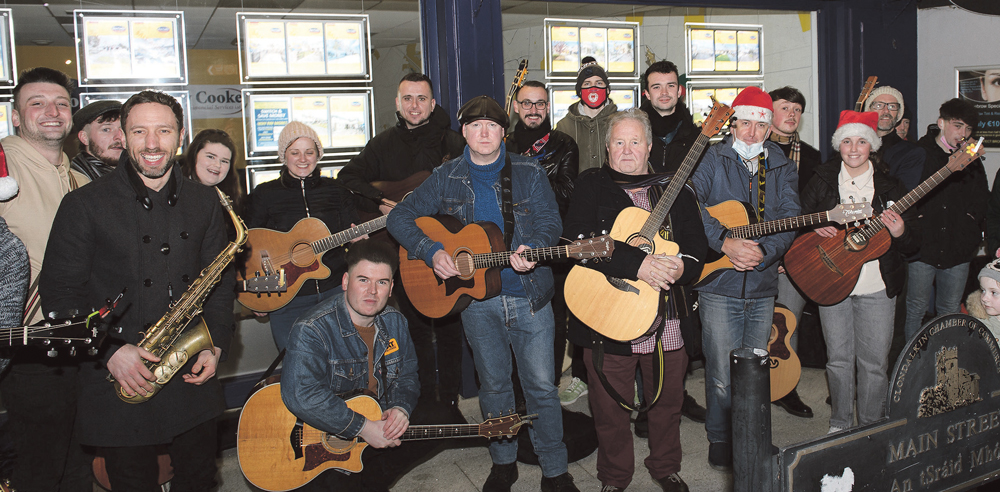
x=825, y=258
x=622, y=285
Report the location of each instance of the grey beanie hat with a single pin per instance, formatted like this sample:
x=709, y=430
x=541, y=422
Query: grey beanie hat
x=892, y=92
x=991, y=270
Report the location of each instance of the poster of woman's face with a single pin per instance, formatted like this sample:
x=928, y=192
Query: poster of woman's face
x=980, y=84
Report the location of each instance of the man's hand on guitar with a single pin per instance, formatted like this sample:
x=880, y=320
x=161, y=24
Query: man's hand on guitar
x=744, y=253
x=386, y=206
x=396, y=423
x=444, y=265
x=374, y=433
x=204, y=368
x=127, y=368
x=519, y=263
x=893, y=222
x=827, y=231
x=659, y=271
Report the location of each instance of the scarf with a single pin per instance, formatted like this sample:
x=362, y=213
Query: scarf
x=792, y=139
x=664, y=127
x=525, y=138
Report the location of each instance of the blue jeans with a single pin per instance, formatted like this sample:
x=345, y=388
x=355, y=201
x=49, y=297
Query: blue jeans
x=949, y=283
x=283, y=319
x=494, y=327
x=728, y=323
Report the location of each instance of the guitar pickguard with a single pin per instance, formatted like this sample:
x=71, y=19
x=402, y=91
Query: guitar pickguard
x=451, y=285
x=317, y=454
x=293, y=271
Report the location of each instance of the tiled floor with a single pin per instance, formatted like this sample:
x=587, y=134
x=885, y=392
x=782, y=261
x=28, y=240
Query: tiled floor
x=465, y=469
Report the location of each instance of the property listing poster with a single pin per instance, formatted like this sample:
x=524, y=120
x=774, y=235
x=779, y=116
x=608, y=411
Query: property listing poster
x=4, y=62
x=343, y=48
x=621, y=50
x=314, y=110
x=107, y=48
x=702, y=50
x=266, y=48
x=305, y=48
x=565, y=49
x=624, y=99
x=594, y=42
x=725, y=51
x=4, y=119
x=701, y=100
x=154, y=48
x=981, y=87
x=748, y=43
x=349, y=120
x=270, y=115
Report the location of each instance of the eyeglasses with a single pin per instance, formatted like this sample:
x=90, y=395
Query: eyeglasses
x=878, y=106
x=526, y=104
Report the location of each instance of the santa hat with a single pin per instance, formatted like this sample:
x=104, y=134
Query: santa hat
x=855, y=124
x=8, y=186
x=753, y=104
x=890, y=91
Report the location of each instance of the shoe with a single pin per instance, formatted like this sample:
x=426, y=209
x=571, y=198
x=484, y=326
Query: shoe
x=573, y=392
x=611, y=488
x=642, y=425
x=672, y=483
x=561, y=483
x=501, y=478
x=720, y=456
x=692, y=410
x=794, y=405
x=834, y=430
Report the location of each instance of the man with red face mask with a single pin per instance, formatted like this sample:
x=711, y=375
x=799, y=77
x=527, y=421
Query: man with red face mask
x=587, y=120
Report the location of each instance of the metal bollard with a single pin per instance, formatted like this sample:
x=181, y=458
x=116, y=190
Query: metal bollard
x=751, y=383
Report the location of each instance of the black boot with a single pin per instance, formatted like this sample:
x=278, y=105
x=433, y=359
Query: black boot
x=794, y=405
x=692, y=410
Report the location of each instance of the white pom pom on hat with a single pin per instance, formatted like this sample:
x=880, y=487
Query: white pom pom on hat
x=8, y=186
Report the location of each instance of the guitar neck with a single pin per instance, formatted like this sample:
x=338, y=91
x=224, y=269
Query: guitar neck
x=874, y=227
x=659, y=213
x=420, y=432
x=502, y=258
x=779, y=225
x=343, y=237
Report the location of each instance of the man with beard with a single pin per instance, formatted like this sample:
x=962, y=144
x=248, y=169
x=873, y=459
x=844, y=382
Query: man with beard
x=904, y=159
x=100, y=135
x=39, y=392
x=146, y=228
x=586, y=121
x=421, y=140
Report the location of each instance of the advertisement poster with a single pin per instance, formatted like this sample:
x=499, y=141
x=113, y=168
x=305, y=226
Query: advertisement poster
x=621, y=50
x=562, y=99
x=4, y=62
x=701, y=104
x=154, y=48
x=343, y=48
x=624, y=99
x=266, y=48
x=748, y=43
x=107, y=48
x=305, y=48
x=702, y=50
x=565, y=49
x=594, y=42
x=270, y=116
x=4, y=119
x=981, y=87
x=313, y=110
x=725, y=51
x=349, y=120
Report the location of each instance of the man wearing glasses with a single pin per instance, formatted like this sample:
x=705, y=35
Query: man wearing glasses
x=905, y=159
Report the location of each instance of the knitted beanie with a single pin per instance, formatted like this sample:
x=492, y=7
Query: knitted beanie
x=886, y=90
x=293, y=131
x=991, y=270
x=587, y=71
x=855, y=124
x=8, y=186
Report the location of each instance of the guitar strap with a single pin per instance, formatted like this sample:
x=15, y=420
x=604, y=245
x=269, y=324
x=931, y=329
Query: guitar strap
x=507, y=205
x=761, y=182
x=597, y=353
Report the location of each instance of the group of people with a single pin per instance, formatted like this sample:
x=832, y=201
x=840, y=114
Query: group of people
x=121, y=214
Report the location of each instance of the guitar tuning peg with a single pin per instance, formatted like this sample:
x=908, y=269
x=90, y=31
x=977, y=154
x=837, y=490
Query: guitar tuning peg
x=604, y=231
x=52, y=353
x=92, y=351
x=580, y=236
x=583, y=261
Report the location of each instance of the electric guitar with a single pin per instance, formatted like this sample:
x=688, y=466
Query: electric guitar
x=865, y=92
x=623, y=309
x=827, y=269
x=740, y=219
x=786, y=369
x=279, y=452
x=522, y=72
x=478, y=252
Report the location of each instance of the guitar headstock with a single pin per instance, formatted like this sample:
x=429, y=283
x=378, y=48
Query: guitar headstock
x=865, y=92
x=504, y=426
x=522, y=72
x=266, y=284
x=966, y=153
x=850, y=212
x=717, y=119
x=593, y=247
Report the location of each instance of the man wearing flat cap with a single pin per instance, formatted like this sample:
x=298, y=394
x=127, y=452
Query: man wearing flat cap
x=100, y=135
x=487, y=184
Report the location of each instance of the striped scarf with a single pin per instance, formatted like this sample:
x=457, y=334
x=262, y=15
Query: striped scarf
x=791, y=139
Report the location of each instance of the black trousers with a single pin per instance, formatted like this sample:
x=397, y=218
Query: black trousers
x=192, y=455
x=382, y=467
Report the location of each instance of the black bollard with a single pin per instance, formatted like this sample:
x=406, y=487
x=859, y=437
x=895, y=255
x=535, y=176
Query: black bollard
x=751, y=390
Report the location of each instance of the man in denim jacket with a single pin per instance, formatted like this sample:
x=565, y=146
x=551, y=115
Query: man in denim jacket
x=521, y=316
x=352, y=342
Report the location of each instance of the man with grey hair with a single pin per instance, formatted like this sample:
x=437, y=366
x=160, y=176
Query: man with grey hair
x=904, y=159
x=601, y=193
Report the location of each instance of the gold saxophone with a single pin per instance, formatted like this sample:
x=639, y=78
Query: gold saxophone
x=168, y=339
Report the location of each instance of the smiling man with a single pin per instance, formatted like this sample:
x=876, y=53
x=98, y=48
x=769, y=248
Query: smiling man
x=146, y=228
x=101, y=138
x=905, y=159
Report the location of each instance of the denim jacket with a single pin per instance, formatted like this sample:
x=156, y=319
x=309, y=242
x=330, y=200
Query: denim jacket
x=449, y=191
x=326, y=357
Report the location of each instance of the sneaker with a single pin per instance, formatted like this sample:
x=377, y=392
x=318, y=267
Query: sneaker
x=834, y=430
x=611, y=488
x=501, y=478
x=561, y=483
x=720, y=456
x=672, y=483
x=573, y=392
x=692, y=410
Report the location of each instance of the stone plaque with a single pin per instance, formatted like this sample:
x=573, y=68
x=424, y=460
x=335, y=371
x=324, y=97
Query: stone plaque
x=943, y=426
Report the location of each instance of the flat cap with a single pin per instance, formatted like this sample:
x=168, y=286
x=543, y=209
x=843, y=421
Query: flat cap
x=94, y=110
x=483, y=108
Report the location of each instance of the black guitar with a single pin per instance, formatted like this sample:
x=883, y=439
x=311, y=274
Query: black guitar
x=62, y=334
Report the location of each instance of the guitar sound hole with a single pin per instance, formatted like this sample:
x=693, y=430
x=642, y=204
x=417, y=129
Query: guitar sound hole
x=464, y=264
x=302, y=254
x=642, y=243
x=336, y=445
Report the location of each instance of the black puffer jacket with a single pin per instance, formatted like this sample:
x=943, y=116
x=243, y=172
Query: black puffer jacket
x=667, y=157
x=280, y=204
x=559, y=157
x=823, y=193
x=398, y=153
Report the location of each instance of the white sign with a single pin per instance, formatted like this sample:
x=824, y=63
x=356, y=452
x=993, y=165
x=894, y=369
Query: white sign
x=215, y=101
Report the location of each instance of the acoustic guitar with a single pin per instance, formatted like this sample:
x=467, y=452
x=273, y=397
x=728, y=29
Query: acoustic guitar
x=742, y=223
x=623, y=309
x=279, y=452
x=827, y=269
x=294, y=255
x=786, y=369
x=522, y=72
x=865, y=92
x=62, y=334
x=478, y=252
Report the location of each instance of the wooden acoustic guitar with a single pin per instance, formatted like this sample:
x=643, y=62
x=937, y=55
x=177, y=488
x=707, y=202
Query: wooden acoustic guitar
x=522, y=72
x=478, y=252
x=786, y=369
x=742, y=223
x=827, y=269
x=865, y=92
x=279, y=452
x=623, y=309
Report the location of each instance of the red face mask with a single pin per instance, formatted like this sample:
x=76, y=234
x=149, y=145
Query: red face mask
x=594, y=97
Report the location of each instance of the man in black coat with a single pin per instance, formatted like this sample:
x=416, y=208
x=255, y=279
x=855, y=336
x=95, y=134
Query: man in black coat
x=146, y=228
x=905, y=159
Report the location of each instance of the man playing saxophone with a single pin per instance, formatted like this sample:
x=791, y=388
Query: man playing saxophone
x=146, y=228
